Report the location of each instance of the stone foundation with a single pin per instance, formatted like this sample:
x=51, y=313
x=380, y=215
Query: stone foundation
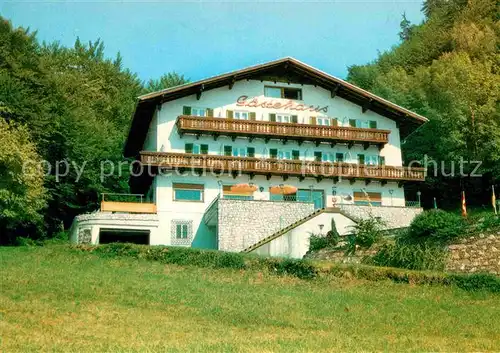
x=476, y=254
x=392, y=216
x=242, y=223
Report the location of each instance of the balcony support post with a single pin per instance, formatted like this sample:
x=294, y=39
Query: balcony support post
x=367, y=182
x=366, y=145
x=335, y=180
x=383, y=182
x=350, y=144
x=268, y=176
x=352, y=181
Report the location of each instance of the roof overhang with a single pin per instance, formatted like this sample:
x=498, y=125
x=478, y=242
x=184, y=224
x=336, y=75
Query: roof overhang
x=283, y=70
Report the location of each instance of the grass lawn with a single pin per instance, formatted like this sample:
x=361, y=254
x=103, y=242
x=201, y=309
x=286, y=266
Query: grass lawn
x=56, y=299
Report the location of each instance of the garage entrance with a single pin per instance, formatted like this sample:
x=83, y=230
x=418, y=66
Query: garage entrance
x=107, y=236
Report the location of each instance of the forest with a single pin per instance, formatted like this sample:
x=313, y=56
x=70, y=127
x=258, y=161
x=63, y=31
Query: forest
x=74, y=104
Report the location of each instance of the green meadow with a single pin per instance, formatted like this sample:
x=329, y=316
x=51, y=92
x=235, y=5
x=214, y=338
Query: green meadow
x=57, y=299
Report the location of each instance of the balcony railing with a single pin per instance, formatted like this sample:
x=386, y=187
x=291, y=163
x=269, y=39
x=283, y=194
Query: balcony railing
x=284, y=131
x=129, y=203
x=285, y=168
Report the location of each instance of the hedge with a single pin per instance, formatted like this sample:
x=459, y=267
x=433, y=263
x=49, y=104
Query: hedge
x=303, y=269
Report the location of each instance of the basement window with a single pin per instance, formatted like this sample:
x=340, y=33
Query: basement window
x=283, y=92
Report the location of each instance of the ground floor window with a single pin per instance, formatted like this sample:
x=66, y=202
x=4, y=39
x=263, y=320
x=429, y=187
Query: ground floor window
x=188, y=192
x=181, y=232
x=366, y=198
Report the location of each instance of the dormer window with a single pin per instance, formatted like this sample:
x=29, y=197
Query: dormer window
x=283, y=92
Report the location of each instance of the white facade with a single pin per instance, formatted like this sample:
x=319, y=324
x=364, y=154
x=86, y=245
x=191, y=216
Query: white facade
x=164, y=137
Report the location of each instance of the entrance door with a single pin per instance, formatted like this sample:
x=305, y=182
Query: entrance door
x=316, y=196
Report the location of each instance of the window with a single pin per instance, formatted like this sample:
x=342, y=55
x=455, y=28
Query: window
x=365, y=198
x=295, y=155
x=283, y=92
x=198, y=111
x=251, y=152
x=228, y=150
x=196, y=148
x=318, y=156
x=325, y=121
x=281, y=118
x=339, y=157
x=241, y=115
x=365, y=124
x=181, y=232
x=328, y=157
x=273, y=153
x=284, y=154
x=239, y=152
x=371, y=160
x=188, y=192
x=361, y=159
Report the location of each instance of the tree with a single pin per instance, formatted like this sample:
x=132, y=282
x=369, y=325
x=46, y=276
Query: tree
x=406, y=28
x=22, y=193
x=168, y=80
x=447, y=70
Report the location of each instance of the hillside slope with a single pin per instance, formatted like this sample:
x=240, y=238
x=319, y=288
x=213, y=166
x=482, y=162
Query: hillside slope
x=55, y=299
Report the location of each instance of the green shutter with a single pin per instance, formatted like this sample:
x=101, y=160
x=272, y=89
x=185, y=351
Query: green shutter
x=251, y=152
x=253, y=116
x=295, y=154
x=339, y=157
x=228, y=150
x=272, y=117
x=373, y=124
x=188, y=147
x=295, y=119
x=317, y=156
x=186, y=110
x=361, y=158
x=352, y=122
x=273, y=153
x=229, y=114
x=312, y=120
x=204, y=149
x=210, y=112
x=381, y=160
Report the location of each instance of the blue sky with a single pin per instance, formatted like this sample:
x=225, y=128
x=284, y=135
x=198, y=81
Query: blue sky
x=204, y=38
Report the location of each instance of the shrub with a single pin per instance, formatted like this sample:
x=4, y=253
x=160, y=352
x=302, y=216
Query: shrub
x=436, y=226
x=411, y=256
x=365, y=233
x=298, y=268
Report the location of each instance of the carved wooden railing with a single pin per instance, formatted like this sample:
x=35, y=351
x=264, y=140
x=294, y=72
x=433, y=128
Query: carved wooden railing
x=292, y=131
x=247, y=165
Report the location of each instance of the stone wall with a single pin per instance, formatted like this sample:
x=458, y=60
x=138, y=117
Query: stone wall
x=392, y=216
x=243, y=223
x=476, y=254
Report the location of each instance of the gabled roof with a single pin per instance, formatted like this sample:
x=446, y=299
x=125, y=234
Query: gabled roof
x=283, y=70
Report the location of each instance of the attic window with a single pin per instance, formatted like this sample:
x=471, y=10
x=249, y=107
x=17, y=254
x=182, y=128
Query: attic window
x=283, y=92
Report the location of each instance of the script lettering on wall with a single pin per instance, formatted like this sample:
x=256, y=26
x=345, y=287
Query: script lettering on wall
x=244, y=101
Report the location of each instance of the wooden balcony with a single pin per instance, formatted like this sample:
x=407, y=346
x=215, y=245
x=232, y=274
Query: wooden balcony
x=284, y=131
x=283, y=168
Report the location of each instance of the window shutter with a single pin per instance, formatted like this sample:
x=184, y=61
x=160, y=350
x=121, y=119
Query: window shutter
x=339, y=157
x=318, y=156
x=229, y=114
x=204, y=149
x=295, y=154
x=373, y=124
x=381, y=160
x=352, y=122
x=295, y=119
x=272, y=117
x=228, y=150
x=186, y=110
x=335, y=122
x=361, y=158
x=210, y=112
x=312, y=120
x=188, y=147
x=253, y=116
x=251, y=152
x=273, y=152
